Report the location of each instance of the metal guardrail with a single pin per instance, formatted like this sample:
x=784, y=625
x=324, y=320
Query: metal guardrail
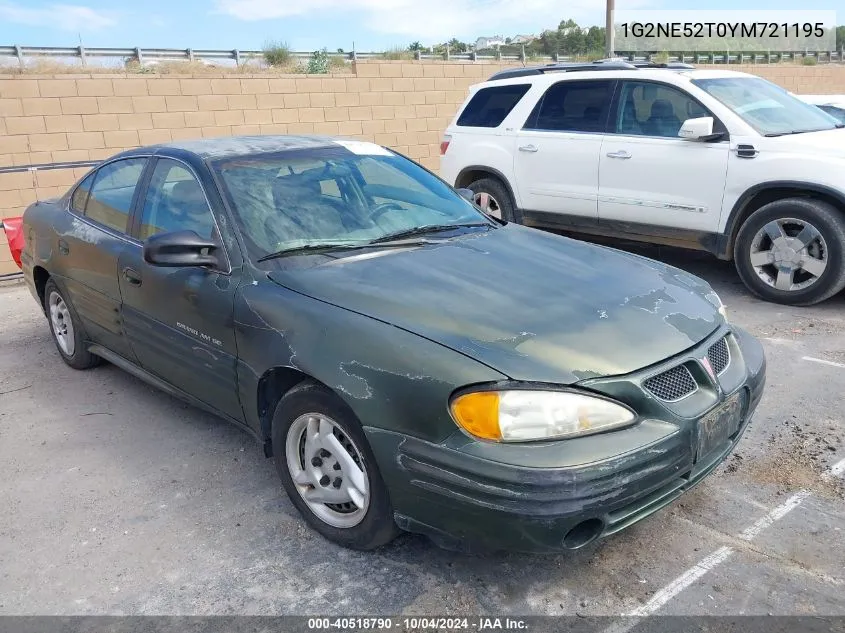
x=829, y=57
x=147, y=55
x=16, y=169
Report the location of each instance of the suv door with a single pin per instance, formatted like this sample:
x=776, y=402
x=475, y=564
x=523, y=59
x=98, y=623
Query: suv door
x=89, y=245
x=647, y=174
x=179, y=320
x=557, y=151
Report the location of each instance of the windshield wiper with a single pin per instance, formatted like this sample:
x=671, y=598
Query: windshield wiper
x=329, y=247
x=422, y=230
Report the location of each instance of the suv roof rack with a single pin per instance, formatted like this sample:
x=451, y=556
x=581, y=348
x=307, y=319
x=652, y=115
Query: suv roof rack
x=602, y=64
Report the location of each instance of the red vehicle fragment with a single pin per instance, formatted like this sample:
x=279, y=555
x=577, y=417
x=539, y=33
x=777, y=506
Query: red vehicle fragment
x=14, y=233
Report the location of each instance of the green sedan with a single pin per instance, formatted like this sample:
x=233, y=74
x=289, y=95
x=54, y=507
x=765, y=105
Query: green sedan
x=409, y=362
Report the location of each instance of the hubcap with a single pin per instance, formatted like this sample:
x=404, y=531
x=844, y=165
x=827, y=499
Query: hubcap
x=328, y=470
x=62, y=323
x=488, y=203
x=789, y=254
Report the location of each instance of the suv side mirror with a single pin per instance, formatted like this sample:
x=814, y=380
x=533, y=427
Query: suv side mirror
x=466, y=194
x=180, y=248
x=700, y=129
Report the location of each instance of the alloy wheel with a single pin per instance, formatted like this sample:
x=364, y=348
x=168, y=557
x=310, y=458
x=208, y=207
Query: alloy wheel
x=789, y=254
x=328, y=470
x=488, y=203
x=62, y=324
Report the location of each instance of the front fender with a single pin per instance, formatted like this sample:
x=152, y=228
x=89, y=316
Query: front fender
x=392, y=379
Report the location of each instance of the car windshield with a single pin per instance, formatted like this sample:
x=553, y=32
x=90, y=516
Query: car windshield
x=343, y=195
x=766, y=107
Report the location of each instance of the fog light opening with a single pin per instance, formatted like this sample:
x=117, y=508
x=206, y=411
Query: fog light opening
x=583, y=533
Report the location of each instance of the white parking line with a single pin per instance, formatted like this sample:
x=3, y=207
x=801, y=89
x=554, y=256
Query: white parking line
x=822, y=361
x=664, y=595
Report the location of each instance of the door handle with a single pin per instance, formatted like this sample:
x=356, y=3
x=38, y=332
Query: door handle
x=64, y=249
x=132, y=276
x=620, y=154
x=528, y=148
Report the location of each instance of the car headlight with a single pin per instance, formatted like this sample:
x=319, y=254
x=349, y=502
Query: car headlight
x=716, y=300
x=520, y=415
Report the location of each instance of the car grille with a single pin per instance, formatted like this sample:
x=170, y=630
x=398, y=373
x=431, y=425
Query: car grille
x=672, y=385
x=719, y=356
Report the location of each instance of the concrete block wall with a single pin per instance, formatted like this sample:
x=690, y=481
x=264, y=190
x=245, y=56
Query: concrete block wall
x=405, y=105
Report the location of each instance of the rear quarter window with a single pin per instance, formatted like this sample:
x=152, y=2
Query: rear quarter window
x=490, y=106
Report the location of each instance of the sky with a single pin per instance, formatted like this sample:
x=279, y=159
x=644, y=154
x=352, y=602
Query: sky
x=307, y=25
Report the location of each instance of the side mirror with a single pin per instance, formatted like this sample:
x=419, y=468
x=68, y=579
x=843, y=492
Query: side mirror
x=700, y=129
x=180, y=248
x=466, y=194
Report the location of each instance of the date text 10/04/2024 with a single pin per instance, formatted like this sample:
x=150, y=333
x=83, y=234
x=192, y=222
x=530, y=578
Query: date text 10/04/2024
x=417, y=623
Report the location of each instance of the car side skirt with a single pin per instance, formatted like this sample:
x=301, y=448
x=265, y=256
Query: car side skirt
x=669, y=236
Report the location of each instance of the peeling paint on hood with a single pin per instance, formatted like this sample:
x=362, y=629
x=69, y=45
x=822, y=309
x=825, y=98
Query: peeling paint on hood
x=532, y=305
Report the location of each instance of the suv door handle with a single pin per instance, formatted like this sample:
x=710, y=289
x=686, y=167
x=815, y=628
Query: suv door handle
x=528, y=148
x=64, y=249
x=620, y=154
x=132, y=276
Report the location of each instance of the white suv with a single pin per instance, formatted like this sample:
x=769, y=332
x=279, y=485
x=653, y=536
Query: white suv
x=714, y=160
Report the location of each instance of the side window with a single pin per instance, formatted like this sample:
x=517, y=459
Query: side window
x=651, y=109
x=111, y=194
x=175, y=202
x=80, y=196
x=573, y=106
x=490, y=106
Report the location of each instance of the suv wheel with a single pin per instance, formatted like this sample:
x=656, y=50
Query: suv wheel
x=493, y=198
x=66, y=329
x=792, y=251
x=328, y=469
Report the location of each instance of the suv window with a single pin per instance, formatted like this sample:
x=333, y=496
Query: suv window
x=111, y=195
x=490, y=106
x=175, y=202
x=573, y=106
x=652, y=109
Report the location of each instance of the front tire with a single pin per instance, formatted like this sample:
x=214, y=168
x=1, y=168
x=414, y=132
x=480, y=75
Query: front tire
x=328, y=469
x=494, y=199
x=66, y=329
x=792, y=251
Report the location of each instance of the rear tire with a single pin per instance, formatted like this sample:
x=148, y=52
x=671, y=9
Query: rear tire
x=66, y=329
x=328, y=469
x=495, y=199
x=792, y=251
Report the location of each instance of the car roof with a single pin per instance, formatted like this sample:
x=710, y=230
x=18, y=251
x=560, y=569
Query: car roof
x=230, y=146
x=611, y=71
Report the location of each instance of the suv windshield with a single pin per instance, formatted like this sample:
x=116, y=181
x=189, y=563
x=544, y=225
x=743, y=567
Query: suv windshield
x=766, y=107
x=334, y=196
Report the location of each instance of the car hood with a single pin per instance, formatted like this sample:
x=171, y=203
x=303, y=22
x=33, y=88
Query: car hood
x=532, y=305
x=831, y=142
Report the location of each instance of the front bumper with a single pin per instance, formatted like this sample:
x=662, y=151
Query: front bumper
x=540, y=497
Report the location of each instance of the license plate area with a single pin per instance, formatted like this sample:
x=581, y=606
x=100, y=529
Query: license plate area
x=715, y=428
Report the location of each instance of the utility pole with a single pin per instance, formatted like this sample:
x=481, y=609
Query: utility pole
x=608, y=25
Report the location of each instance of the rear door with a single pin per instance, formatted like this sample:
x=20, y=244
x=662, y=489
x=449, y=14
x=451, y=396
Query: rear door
x=648, y=175
x=180, y=320
x=90, y=243
x=557, y=150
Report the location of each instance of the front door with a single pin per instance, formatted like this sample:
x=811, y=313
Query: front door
x=180, y=320
x=90, y=240
x=557, y=150
x=650, y=176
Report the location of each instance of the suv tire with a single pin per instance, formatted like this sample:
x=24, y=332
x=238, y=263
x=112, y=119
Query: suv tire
x=776, y=242
x=66, y=329
x=493, y=197
x=320, y=447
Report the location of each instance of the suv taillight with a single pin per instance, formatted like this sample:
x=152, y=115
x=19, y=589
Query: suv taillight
x=444, y=144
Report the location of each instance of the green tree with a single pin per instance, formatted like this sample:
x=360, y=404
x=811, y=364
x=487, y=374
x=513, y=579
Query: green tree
x=456, y=46
x=595, y=39
x=415, y=46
